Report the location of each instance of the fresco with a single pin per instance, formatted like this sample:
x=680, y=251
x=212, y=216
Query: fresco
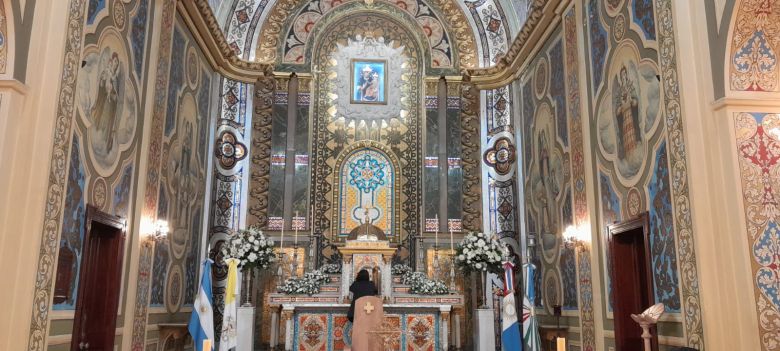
x=106, y=124
x=367, y=192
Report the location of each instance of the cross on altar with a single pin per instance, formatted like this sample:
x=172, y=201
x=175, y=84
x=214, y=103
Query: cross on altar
x=368, y=308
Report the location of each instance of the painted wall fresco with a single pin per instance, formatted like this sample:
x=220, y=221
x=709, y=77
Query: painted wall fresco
x=3, y=39
x=629, y=138
x=754, y=45
x=757, y=143
x=548, y=176
x=107, y=105
x=183, y=173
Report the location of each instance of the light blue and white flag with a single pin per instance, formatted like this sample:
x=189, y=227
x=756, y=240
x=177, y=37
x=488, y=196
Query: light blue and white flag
x=201, y=325
x=510, y=328
x=530, y=325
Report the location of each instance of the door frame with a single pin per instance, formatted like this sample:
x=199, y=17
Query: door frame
x=95, y=215
x=640, y=221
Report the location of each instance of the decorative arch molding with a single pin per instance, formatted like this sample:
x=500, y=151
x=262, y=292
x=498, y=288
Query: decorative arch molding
x=443, y=26
x=753, y=48
x=395, y=231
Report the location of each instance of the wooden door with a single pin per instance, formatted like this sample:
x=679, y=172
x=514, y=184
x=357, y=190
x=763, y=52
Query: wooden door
x=97, y=303
x=632, y=280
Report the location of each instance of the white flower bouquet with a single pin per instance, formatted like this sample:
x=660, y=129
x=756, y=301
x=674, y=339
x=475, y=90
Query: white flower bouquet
x=251, y=248
x=418, y=282
x=332, y=268
x=480, y=252
x=309, y=284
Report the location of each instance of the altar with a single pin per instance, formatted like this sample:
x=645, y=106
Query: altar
x=319, y=321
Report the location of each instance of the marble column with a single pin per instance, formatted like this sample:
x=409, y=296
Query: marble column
x=346, y=277
x=287, y=315
x=445, y=326
x=456, y=332
x=274, y=327
x=387, y=277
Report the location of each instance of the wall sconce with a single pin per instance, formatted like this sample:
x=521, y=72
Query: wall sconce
x=575, y=236
x=154, y=231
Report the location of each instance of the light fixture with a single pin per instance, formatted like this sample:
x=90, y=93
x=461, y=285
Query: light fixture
x=575, y=235
x=161, y=230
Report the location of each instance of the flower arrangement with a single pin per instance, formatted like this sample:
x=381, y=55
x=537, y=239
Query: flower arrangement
x=418, y=282
x=309, y=284
x=400, y=269
x=332, y=268
x=480, y=252
x=251, y=248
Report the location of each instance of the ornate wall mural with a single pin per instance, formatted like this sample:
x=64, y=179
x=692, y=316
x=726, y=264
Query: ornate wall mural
x=338, y=124
x=446, y=31
x=105, y=137
x=754, y=47
x=757, y=150
x=637, y=142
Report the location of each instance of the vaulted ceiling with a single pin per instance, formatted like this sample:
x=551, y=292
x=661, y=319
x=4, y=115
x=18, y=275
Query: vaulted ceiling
x=284, y=25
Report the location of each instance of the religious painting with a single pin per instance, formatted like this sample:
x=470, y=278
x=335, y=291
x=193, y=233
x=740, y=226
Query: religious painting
x=547, y=177
x=106, y=101
x=629, y=112
x=368, y=82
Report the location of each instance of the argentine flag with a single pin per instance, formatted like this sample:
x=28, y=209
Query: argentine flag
x=201, y=325
x=530, y=324
x=510, y=335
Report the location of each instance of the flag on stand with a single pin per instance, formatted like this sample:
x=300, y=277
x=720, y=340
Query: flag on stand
x=530, y=324
x=201, y=325
x=229, y=338
x=510, y=334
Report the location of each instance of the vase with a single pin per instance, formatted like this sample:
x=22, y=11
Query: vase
x=247, y=275
x=483, y=290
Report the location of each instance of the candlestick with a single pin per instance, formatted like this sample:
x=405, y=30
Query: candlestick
x=436, y=235
x=296, y=229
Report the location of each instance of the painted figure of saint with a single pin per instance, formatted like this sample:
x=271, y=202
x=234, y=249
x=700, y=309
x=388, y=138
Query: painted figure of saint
x=368, y=85
x=106, y=104
x=543, y=195
x=627, y=115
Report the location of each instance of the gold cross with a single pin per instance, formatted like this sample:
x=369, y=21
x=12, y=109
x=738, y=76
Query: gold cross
x=368, y=308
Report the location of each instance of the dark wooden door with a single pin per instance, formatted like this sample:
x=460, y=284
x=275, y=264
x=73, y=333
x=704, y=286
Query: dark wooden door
x=632, y=280
x=99, y=282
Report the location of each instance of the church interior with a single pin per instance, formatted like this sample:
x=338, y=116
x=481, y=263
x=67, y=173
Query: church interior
x=568, y=175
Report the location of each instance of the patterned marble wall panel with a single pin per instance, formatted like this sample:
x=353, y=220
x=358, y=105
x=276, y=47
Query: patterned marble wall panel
x=754, y=46
x=757, y=142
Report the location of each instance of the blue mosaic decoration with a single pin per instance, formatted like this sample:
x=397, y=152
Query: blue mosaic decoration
x=598, y=43
x=138, y=34
x=662, y=245
x=367, y=174
x=644, y=17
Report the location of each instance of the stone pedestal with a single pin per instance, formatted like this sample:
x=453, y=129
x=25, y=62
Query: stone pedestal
x=246, y=329
x=484, y=331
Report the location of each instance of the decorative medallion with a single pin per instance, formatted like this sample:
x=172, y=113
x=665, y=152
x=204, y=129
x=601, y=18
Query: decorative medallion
x=119, y=15
x=367, y=173
x=541, y=78
x=174, y=289
x=192, y=67
x=229, y=150
x=552, y=290
x=501, y=156
x=99, y=189
x=634, y=203
x=619, y=27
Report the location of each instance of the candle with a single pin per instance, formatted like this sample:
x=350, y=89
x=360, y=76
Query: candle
x=437, y=231
x=281, y=242
x=296, y=229
x=561, y=344
x=452, y=243
x=207, y=345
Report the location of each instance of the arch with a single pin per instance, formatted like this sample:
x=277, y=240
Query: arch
x=752, y=56
x=445, y=28
x=378, y=189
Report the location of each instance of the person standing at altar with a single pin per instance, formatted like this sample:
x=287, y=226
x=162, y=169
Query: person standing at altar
x=360, y=288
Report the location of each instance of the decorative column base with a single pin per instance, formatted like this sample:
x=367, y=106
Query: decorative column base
x=246, y=329
x=484, y=333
